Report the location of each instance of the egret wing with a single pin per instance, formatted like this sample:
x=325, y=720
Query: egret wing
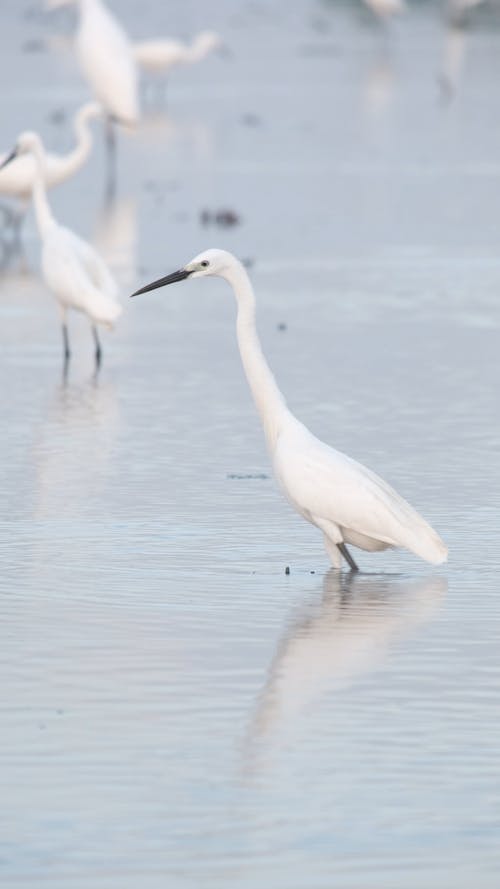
x=93, y=264
x=328, y=485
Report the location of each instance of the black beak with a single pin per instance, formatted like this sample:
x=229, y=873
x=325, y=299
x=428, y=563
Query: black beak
x=168, y=279
x=10, y=157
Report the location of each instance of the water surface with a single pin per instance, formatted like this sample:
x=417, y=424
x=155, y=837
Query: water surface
x=177, y=711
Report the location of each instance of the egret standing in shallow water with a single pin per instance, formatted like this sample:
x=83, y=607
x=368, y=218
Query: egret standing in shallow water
x=17, y=178
x=345, y=500
x=72, y=269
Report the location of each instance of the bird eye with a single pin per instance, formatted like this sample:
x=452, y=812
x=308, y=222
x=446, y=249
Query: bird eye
x=204, y=263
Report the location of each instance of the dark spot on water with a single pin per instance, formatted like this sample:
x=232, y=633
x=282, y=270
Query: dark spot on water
x=319, y=51
x=58, y=117
x=287, y=569
x=32, y=46
x=251, y=120
x=261, y=476
x=281, y=325
x=223, y=218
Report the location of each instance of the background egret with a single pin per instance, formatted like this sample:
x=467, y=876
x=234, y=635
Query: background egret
x=385, y=9
x=17, y=177
x=159, y=56
x=345, y=500
x=72, y=269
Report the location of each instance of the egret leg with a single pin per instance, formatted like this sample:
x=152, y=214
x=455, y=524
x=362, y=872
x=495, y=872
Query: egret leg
x=67, y=350
x=66, y=353
x=98, y=350
x=111, y=162
x=110, y=138
x=347, y=556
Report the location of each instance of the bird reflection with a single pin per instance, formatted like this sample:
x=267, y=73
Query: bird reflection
x=380, y=84
x=346, y=633
x=184, y=137
x=452, y=66
x=115, y=238
x=73, y=449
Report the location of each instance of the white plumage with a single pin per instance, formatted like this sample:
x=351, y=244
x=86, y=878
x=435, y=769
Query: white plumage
x=106, y=59
x=17, y=178
x=384, y=9
x=345, y=500
x=163, y=54
x=72, y=269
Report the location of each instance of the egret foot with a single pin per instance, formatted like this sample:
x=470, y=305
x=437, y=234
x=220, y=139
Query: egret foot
x=347, y=556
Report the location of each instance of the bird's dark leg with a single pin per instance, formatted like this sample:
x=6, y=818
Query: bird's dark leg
x=110, y=138
x=347, y=556
x=111, y=162
x=67, y=351
x=98, y=350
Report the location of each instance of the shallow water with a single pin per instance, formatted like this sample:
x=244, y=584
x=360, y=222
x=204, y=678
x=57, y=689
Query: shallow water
x=176, y=711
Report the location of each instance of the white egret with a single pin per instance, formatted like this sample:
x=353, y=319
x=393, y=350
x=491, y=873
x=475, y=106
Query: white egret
x=385, y=9
x=105, y=55
x=345, y=500
x=159, y=56
x=72, y=269
x=17, y=178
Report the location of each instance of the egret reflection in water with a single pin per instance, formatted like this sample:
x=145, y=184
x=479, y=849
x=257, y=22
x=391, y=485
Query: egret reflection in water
x=115, y=237
x=73, y=449
x=344, y=633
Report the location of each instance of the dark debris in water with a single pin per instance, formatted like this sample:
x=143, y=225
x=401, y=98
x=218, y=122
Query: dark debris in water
x=224, y=218
x=34, y=45
x=244, y=475
x=251, y=120
x=58, y=117
x=317, y=51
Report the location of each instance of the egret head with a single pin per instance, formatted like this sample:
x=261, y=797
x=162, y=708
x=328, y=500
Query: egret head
x=207, y=41
x=27, y=143
x=210, y=262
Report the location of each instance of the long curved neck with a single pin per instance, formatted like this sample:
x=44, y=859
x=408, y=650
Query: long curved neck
x=268, y=399
x=77, y=157
x=43, y=213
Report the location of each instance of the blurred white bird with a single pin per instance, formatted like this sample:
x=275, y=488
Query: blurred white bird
x=385, y=9
x=72, y=269
x=16, y=179
x=105, y=55
x=345, y=500
x=161, y=55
